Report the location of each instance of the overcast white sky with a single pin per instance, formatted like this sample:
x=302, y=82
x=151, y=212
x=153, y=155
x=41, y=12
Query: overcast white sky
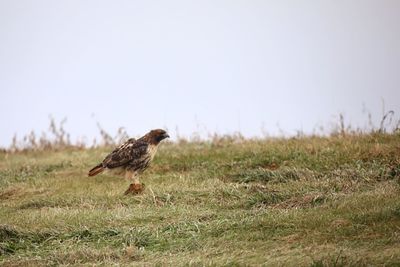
x=208, y=66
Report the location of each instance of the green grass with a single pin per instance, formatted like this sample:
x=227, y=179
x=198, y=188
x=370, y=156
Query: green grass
x=283, y=202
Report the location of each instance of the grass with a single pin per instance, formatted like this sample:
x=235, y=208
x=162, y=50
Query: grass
x=311, y=201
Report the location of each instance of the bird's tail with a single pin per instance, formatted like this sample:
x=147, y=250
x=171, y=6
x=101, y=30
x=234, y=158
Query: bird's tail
x=96, y=170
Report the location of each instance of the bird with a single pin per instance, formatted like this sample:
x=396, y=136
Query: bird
x=132, y=158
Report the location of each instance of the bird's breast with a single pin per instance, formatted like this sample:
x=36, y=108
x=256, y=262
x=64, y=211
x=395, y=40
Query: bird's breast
x=151, y=150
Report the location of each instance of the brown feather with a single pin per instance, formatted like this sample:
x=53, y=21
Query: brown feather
x=133, y=155
x=96, y=170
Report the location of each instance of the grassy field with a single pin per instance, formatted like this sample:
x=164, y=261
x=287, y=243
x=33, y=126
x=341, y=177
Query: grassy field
x=310, y=201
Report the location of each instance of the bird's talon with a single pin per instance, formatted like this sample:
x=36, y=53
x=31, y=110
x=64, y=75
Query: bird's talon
x=134, y=189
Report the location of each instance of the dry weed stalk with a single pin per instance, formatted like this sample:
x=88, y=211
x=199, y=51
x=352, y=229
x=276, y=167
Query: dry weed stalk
x=58, y=138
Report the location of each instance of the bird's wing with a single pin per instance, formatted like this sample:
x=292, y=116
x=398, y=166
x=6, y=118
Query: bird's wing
x=127, y=152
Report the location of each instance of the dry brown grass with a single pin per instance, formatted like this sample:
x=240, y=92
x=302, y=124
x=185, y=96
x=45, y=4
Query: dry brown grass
x=310, y=201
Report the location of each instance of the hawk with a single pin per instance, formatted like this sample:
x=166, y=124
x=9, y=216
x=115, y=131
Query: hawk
x=132, y=158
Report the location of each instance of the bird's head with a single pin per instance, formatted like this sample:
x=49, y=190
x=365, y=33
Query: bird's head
x=156, y=136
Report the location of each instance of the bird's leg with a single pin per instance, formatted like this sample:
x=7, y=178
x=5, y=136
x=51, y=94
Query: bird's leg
x=135, y=187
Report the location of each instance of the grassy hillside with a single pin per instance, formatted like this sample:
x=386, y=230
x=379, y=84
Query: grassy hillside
x=300, y=202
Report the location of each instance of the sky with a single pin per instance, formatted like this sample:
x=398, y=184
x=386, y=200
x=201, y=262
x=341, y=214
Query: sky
x=209, y=66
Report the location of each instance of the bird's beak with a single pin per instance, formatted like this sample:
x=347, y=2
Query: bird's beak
x=165, y=135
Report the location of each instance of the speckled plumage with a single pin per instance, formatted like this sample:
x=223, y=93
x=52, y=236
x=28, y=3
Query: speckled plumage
x=133, y=157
